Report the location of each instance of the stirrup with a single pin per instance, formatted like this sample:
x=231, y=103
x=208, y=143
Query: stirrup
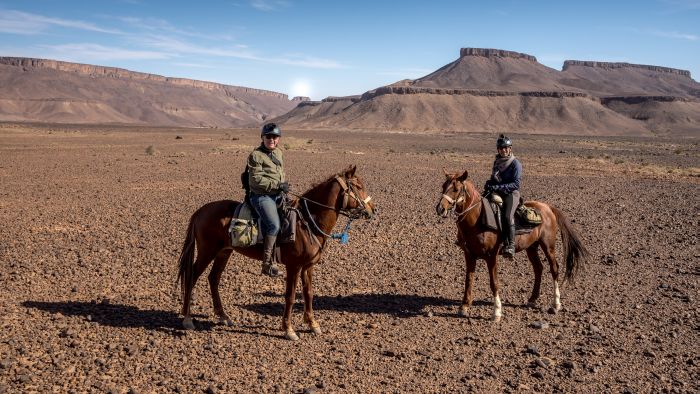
x=271, y=270
x=508, y=251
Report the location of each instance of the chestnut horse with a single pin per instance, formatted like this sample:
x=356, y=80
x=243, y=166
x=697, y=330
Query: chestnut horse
x=341, y=194
x=460, y=197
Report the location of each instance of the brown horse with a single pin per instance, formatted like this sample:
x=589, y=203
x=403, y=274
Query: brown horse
x=460, y=197
x=341, y=194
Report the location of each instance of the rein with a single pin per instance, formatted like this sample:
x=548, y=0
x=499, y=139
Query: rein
x=351, y=214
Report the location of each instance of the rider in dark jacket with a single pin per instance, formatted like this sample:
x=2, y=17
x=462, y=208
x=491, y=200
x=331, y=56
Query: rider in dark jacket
x=505, y=181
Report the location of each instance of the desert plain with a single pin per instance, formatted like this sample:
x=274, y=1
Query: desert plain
x=92, y=219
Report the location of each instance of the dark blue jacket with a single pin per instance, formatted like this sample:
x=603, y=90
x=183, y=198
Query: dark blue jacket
x=510, y=178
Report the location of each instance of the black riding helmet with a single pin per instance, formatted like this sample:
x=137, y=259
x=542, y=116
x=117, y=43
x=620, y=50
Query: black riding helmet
x=503, y=142
x=271, y=128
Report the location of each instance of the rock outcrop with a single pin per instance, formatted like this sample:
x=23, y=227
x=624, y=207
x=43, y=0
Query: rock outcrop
x=608, y=65
x=42, y=90
x=492, y=89
x=120, y=73
x=489, y=52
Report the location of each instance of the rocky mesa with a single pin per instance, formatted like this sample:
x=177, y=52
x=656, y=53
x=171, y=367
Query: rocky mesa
x=41, y=90
x=491, y=89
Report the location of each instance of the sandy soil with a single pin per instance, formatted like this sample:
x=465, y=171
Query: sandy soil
x=93, y=219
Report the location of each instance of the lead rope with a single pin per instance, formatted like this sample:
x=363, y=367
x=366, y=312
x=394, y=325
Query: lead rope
x=343, y=237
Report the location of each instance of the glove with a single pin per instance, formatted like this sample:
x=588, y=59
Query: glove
x=284, y=187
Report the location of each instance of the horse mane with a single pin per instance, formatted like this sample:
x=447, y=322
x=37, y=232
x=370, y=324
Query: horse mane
x=331, y=178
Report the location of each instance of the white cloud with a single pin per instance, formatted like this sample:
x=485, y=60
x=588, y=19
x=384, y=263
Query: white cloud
x=269, y=5
x=194, y=65
x=170, y=44
x=676, y=35
x=18, y=22
x=95, y=52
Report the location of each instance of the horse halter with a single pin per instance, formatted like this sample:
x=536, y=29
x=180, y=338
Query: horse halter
x=461, y=196
x=348, y=193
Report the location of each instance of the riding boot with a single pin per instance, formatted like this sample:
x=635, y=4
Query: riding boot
x=509, y=247
x=269, y=267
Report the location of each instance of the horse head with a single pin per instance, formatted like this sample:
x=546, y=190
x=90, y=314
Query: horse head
x=454, y=191
x=356, y=201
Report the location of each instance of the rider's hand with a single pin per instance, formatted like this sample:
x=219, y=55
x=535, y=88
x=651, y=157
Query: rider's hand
x=284, y=187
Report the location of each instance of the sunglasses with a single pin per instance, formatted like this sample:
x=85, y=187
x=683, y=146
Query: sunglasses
x=272, y=137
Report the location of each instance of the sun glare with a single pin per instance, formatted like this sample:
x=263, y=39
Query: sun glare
x=301, y=88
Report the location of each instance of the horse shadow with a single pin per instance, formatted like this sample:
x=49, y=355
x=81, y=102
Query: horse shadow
x=397, y=305
x=119, y=315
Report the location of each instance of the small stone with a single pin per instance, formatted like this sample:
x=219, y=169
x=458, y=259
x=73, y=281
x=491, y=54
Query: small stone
x=211, y=389
x=429, y=314
x=532, y=349
x=539, y=325
x=568, y=364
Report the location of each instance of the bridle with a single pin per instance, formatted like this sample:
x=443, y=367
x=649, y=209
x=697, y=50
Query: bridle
x=348, y=193
x=462, y=195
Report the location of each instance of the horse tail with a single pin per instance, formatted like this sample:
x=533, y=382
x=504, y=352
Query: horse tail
x=186, y=261
x=574, y=251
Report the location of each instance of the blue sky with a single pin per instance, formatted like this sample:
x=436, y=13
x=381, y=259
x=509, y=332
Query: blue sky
x=337, y=48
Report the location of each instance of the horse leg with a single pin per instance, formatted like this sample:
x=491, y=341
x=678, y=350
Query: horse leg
x=292, y=279
x=308, y=292
x=536, y=262
x=492, y=262
x=204, y=257
x=468, y=284
x=214, y=278
x=550, y=254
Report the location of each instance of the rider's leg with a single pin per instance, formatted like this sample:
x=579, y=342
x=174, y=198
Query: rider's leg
x=266, y=207
x=510, y=203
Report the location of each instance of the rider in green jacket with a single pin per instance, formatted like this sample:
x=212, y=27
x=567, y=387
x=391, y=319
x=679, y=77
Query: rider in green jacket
x=268, y=184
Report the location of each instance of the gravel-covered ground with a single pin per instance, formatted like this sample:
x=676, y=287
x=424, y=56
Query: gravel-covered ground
x=92, y=220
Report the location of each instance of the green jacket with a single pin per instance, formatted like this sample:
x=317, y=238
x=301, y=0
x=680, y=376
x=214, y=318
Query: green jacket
x=264, y=175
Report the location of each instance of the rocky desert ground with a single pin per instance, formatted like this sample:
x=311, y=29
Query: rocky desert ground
x=93, y=218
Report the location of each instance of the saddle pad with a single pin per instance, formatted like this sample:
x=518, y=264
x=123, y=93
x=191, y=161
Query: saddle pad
x=243, y=211
x=489, y=221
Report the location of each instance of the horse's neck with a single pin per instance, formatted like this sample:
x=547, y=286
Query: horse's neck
x=473, y=204
x=325, y=218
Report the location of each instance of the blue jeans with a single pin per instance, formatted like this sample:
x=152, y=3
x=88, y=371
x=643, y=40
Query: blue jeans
x=266, y=207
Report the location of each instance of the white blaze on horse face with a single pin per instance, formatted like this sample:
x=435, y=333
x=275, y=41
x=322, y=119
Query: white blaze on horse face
x=556, y=304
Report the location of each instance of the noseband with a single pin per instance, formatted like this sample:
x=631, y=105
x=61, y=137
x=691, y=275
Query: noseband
x=461, y=196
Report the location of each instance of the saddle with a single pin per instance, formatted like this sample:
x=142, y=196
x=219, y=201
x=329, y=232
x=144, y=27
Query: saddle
x=245, y=216
x=526, y=218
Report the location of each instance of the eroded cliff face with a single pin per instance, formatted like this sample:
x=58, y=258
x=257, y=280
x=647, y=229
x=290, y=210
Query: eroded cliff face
x=610, y=66
x=120, y=73
x=40, y=90
x=489, y=52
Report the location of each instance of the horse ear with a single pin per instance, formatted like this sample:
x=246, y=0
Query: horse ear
x=464, y=176
x=350, y=172
x=448, y=175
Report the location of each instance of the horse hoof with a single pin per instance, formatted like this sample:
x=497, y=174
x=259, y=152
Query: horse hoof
x=226, y=321
x=462, y=312
x=291, y=335
x=187, y=324
x=496, y=318
x=316, y=329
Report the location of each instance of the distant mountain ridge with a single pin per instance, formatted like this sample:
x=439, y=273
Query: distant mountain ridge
x=497, y=90
x=55, y=91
